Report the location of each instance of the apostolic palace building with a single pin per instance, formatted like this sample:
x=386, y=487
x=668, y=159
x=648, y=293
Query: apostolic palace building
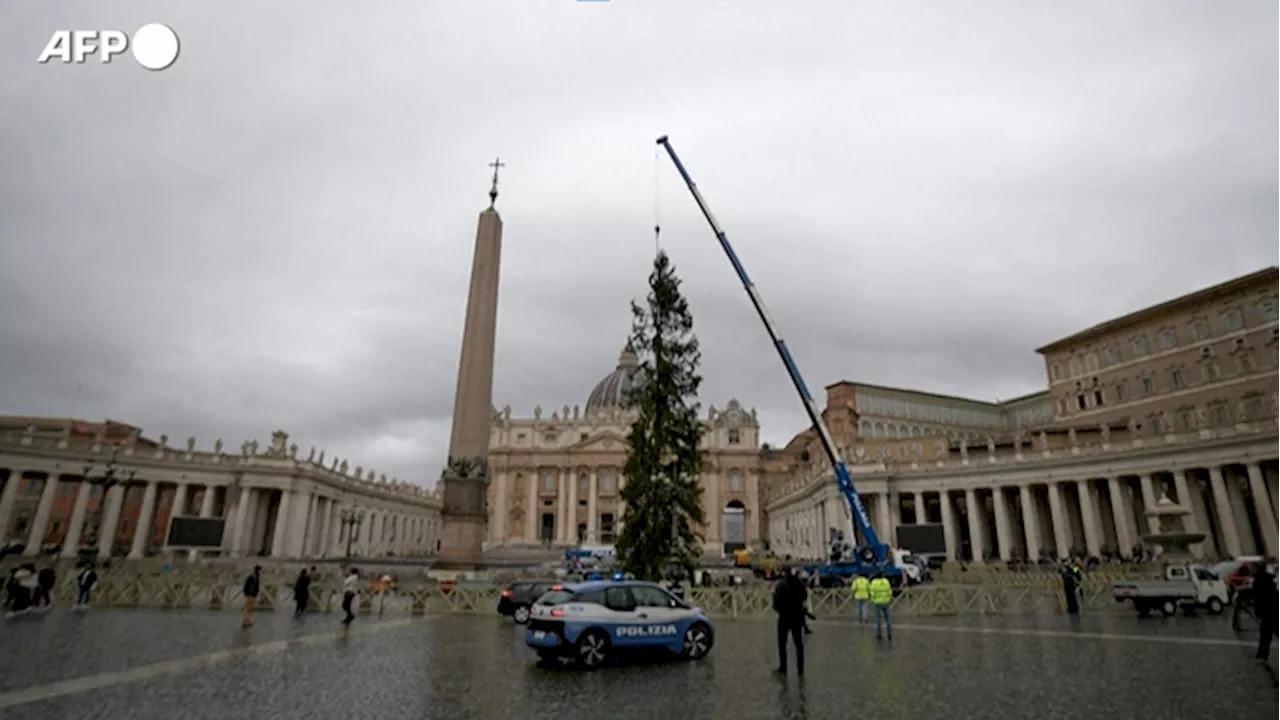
x=1175, y=400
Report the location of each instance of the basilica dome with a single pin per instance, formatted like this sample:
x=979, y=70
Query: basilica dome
x=611, y=392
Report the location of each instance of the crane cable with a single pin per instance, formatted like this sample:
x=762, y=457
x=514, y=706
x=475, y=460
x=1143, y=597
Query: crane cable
x=657, y=225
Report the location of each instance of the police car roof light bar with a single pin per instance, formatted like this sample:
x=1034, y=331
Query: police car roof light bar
x=843, y=480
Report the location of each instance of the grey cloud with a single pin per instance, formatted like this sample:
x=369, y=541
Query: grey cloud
x=276, y=232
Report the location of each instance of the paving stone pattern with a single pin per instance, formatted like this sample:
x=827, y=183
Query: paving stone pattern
x=478, y=667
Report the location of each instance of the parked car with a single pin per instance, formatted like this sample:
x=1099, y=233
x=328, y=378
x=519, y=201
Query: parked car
x=519, y=597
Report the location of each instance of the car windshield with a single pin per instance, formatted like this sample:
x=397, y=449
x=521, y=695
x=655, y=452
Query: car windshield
x=1222, y=568
x=555, y=597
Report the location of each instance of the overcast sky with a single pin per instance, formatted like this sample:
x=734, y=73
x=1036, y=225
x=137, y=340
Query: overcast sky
x=276, y=232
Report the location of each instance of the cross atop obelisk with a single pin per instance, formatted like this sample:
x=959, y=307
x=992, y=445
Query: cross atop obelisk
x=493, y=190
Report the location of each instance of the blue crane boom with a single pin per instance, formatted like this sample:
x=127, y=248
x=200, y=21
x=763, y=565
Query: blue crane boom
x=876, y=551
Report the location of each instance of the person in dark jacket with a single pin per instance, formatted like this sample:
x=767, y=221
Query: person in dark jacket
x=252, y=585
x=84, y=587
x=46, y=579
x=1264, y=607
x=789, y=602
x=1070, y=589
x=301, y=592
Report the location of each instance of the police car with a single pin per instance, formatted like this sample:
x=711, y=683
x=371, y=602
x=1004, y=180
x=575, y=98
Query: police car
x=593, y=621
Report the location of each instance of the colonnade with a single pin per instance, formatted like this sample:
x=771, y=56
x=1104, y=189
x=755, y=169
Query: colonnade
x=306, y=522
x=1233, y=504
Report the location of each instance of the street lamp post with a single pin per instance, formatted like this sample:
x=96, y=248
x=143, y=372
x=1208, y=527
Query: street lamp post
x=352, y=519
x=110, y=477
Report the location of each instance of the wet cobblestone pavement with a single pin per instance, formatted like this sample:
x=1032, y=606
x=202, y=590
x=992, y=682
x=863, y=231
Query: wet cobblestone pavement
x=177, y=665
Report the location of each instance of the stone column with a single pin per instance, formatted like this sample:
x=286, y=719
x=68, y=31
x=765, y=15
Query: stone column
x=113, y=502
x=1089, y=519
x=7, y=498
x=71, y=545
x=1059, y=519
x=179, y=505
x=917, y=502
x=142, y=532
x=712, y=497
x=316, y=548
x=1004, y=533
x=280, y=537
x=1190, y=522
x=1149, y=502
x=1262, y=506
x=498, y=513
x=1124, y=534
x=593, y=507
x=975, y=525
x=532, y=511
x=1226, y=518
x=948, y=523
x=883, y=518
x=573, y=507
x=206, y=511
x=35, y=536
x=1030, y=522
x=562, y=507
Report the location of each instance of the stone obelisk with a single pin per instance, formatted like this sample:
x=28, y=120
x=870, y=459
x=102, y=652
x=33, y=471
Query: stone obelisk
x=466, y=477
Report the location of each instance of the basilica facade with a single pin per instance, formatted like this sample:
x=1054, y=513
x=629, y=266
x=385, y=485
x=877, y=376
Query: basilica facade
x=556, y=479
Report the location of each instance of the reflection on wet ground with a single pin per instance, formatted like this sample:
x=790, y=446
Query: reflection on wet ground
x=140, y=665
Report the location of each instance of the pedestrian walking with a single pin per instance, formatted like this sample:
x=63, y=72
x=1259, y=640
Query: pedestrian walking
x=789, y=602
x=13, y=594
x=1070, y=578
x=84, y=586
x=45, y=580
x=1264, y=608
x=861, y=588
x=349, y=585
x=252, y=585
x=30, y=583
x=301, y=592
x=882, y=597
x=1241, y=597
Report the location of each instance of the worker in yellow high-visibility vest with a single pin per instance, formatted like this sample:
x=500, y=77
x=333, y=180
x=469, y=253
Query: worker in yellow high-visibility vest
x=861, y=588
x=882, y=598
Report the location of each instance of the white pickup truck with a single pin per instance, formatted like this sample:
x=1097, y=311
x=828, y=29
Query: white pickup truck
x=1184, y=586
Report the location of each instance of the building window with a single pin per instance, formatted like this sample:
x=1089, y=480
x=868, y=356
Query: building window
x=1139, y=344
x=1074, y=364
x=735, y=483
x=1199, y=330
x=1186, y=419
x=1148, y=385
x=1080, y=404
x=1210, y=371
x=1168, y=339
x=584, y=485
x=1121, y=393
x=1245, y=362
x=520, y=437
x=1062, y=406
x=1097, y=398
x=1176, y=380
x=1219, y=414
x=1056, y=371
x=549, y=438
x=1252, y=407
x=583, y=437
x=1233, y=320
x=549, y=483
x=735, y=436
x=1112, y=355
x=1267, y=309
x=1091, y=363
x=606, y=481
x=1154, y=425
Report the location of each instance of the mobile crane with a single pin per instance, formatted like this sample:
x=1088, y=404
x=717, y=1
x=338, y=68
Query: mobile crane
x=873, y=556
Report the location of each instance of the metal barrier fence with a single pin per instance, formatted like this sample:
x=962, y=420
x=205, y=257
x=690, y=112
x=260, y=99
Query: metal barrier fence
x=223, y=591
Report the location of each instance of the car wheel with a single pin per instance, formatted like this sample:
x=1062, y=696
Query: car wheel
x=593, y=649
x=697, y=641
x=1168, y=608
x=520, y=614
x=1215, y=606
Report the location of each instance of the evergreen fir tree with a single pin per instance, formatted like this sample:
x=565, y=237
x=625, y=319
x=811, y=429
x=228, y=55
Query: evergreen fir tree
x=663, y=496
